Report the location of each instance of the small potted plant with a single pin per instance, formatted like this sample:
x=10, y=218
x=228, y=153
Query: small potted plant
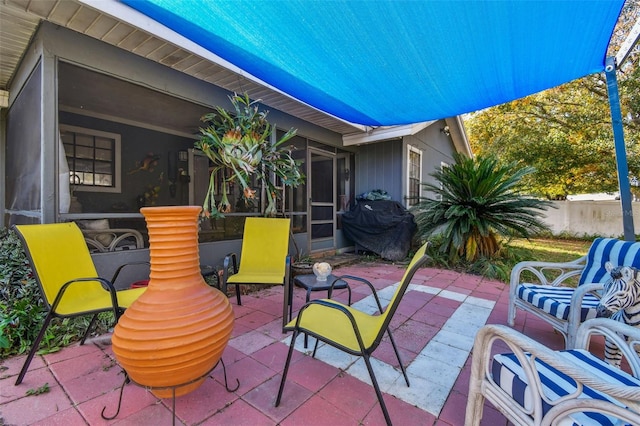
x=240, y=141
x=301, y=265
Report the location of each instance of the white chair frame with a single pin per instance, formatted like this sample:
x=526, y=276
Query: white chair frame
x=117, y=234
x=566, y=270
x=482, y=386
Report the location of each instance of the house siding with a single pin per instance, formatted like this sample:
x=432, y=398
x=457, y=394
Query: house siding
x=436, y=147
x=383, y=165
x=380, y=166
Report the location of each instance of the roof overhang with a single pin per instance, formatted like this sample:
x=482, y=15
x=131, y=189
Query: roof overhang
x=378, y=134
x=455, y=129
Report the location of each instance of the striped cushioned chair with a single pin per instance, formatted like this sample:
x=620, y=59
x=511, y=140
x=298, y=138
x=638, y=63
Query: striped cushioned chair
x=535, y=385
x=564, y=307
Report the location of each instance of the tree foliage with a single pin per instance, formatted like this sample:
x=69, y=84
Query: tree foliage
x=565, y=132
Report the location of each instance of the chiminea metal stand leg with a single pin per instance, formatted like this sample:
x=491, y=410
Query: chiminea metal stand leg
x=127, y=379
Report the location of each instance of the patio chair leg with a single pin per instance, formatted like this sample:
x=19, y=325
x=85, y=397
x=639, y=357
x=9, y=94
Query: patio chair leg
x=306, y=336
x=286, y=366
x=238, y=294
x=34, y=348
x=92, y=324
x=315, y=348
x=377, y=389
x=395, y=349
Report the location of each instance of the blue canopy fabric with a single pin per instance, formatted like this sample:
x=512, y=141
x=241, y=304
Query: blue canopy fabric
x=399, y=62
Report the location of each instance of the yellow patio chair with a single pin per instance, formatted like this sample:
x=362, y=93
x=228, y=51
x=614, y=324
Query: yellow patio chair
x=351, y=330
x=68, y=281
x=264, y=258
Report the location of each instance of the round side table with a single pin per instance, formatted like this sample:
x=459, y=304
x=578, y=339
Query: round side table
x=311, y=283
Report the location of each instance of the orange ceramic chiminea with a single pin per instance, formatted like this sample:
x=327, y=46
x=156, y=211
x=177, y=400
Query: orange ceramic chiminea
x=176, y=331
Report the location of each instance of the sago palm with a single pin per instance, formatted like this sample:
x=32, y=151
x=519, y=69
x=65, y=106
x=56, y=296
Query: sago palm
x=480, y=200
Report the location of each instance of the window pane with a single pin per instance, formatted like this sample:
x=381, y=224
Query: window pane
x=322, y=212
x=103, y=179
x=103, y=154
x=83, y=166
x=322, y=172
x=104, y=143
x=322, y=230
x=86, y=178
x=299, y=223
x=91, y=156
x=84, y=152
x=414, y=168
x=102, y=167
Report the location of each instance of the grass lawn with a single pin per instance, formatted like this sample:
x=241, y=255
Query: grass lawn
x=548, y=250
x=518, y=250
x=553, y=250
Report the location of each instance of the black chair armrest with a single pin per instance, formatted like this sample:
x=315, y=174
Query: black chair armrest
x=354, y=278
x=121, y=267
x=108, y=285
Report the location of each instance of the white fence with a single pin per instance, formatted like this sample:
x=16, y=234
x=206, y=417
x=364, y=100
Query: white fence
x=591, y=218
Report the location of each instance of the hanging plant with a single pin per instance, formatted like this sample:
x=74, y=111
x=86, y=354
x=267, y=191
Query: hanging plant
x=240, y=141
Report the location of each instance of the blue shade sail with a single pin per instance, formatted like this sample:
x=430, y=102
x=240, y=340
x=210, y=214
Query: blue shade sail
x=399, y=62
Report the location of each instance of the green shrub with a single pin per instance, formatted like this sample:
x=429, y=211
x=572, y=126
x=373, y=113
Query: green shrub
x=497, y=266
x=22, y=310
x=21, y=306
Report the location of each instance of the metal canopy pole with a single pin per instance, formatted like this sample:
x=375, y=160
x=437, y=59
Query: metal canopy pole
x=621, y=154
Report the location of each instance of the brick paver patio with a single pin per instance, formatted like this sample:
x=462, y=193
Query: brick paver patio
x=433, y=327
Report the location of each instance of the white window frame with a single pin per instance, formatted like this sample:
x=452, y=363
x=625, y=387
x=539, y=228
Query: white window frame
x=442, y=166
x=117, y=174
x=412, y=149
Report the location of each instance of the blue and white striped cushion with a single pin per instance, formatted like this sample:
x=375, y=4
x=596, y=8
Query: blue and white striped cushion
x=557, y=300
x=603, y=250
x=508, y=374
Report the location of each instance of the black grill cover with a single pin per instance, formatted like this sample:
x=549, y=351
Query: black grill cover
x=382, y=227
